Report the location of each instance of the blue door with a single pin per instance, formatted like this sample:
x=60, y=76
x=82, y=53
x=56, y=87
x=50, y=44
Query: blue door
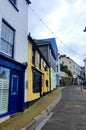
x=15, y=93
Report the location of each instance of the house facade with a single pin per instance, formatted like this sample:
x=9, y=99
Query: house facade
x=49, y=50
x=77, y=71
x=13, y=60
x=38, y=73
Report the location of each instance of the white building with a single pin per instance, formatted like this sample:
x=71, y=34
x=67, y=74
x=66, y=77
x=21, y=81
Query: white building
x=13, y=55
x=76, y=70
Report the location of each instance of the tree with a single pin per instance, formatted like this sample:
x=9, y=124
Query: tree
x=65, y=69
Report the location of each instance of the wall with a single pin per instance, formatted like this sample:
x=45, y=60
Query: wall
x=19, y=21
x=45, y=76
x=53, y=78
x=30, y=95
x=75, y=68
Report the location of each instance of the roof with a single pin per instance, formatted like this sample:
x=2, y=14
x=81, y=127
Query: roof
x=34, y=44
x=44, y=43
x=52, y=41
x=67, y=57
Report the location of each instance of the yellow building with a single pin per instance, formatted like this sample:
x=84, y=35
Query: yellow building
x=38, y=76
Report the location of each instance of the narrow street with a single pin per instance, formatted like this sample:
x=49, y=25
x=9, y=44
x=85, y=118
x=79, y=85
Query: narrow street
x=70, y=113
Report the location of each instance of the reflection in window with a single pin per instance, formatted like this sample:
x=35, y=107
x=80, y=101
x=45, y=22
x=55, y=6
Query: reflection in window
x=36, y=82
x=4, y=89
x=7, y=39
x=38, y=60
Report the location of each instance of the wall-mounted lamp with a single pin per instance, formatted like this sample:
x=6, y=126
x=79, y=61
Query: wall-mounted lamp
x=84, y=29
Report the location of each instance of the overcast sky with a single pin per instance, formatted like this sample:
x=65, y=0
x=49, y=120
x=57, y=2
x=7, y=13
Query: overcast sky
x=66, y=19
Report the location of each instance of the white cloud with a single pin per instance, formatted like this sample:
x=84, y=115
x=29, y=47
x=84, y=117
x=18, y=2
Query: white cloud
x=66, y=18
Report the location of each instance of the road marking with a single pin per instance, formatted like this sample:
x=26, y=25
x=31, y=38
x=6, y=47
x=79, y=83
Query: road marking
x=43, y=122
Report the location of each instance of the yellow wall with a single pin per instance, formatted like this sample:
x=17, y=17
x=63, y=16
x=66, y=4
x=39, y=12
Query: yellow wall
x=45, y=76
x=30, y=95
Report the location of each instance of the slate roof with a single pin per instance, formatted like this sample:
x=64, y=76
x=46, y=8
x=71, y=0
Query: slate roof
x=52, y=41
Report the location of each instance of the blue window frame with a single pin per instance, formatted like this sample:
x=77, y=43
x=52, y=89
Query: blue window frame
x=7, y=39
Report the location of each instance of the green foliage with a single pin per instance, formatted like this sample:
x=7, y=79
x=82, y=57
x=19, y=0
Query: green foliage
x=65, y=69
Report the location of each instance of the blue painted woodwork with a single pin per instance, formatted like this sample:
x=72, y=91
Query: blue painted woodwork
x=10, y=63
x=15, y=92
x=16, y=89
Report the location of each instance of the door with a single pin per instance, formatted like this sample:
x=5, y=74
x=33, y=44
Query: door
x=15, y=93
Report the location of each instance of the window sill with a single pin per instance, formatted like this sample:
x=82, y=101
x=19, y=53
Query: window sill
x=14, y=6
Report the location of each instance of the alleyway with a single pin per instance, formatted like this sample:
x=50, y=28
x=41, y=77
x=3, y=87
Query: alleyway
x=70, y=113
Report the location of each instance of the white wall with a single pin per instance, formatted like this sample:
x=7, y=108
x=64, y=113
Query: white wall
x=75, y=68
x=53, y=78
x=19, y=21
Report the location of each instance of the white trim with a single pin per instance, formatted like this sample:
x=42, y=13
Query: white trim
x=4, y=119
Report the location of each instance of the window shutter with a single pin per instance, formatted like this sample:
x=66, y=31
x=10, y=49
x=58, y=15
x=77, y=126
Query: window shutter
x=4, y=87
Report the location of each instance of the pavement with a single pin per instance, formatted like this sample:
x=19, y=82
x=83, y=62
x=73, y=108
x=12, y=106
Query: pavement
x=29, y=118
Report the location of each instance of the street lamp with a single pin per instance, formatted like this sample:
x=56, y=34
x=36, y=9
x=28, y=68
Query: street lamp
x=84, y=29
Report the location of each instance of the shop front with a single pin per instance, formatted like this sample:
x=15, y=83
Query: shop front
x=11, y=86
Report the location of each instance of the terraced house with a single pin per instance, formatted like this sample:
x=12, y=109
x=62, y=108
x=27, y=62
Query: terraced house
x=76, y=70
x=13, y=60
x=49, y=50
x=38, y=83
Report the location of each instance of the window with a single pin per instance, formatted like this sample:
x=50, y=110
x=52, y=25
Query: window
x=46, y=83
x=33, y=56
x=36, y=82
x=7, y=39
x=4, y=89
x=38, y=60
x=63, y=62
x=57, y=68
x=70, y=62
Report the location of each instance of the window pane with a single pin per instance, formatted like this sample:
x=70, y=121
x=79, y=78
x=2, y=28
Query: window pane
x=4, y=89
x=33, y=56
x=38, y=60
x=36, y=82
x=6, y=47
x=7, y=37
